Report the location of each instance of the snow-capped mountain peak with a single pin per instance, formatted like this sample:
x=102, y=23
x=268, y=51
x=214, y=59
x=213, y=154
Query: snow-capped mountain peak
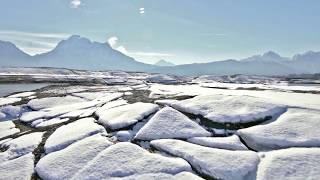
x=164, y=63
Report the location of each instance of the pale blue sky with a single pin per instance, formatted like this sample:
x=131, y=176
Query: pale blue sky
x=181, y=31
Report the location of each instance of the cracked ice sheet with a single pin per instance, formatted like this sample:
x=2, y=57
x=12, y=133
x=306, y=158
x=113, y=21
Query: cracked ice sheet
x=65, y=163
x=72, y=132
x=286, y=98
x=21, y=146
x=212, y=162
x=126, y=115
x=8, y=128
x=230, y=109
x=288, y=164
x=294, y=128
x=127, y=159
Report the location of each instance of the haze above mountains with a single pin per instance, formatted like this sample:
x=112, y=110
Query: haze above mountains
x=80, y=53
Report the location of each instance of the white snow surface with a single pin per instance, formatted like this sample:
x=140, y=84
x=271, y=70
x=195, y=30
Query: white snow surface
x=231, y=143
x=230, y=109
x=127, y=159
x=91, y=95
x=72, y=132
x=8, y=128
x=21, y=146
x=304, y=100
x=22, y=95
x=73, y=109
x=51, y=122
x=32, y=115
x=160, y=176
x=212, y=162
x=7, y=100
x=50, y=102
x=17, y=169
x=110, y=105
x=170, y=123
x=65, y=163
x=294, y=128
x=292, y=163
x=126, y=115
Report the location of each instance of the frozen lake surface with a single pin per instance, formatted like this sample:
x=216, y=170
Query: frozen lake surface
x=9, y=88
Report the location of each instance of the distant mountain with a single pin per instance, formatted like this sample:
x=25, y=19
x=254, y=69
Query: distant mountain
x=80, y=53
x=163, y=63
x=10, y=55
x=270, y=63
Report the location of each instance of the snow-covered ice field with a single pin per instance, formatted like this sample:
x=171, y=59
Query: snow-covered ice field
x=126, y=125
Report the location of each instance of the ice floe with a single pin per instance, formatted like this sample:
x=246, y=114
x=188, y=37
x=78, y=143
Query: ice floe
x=294, y=128
x=127, y=159
x=292, y=163
x=212, y=162
x=91, y=95
x=18, y=169
x=50, y=102
x=230, y=109
x=126, y=115
x=72, y=132
x=65, y=163
x=20, y=146
x=159, y=176
x=231, y=143
x=8, y=128
x=110, y=105
x=22, y=95
x=45, y=123
x=5, y=101
x=170, y=123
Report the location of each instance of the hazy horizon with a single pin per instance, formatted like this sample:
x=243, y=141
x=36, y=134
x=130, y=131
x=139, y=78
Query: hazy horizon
x=178, y=31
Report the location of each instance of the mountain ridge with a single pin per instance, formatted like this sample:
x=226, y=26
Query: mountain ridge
x=91, y=55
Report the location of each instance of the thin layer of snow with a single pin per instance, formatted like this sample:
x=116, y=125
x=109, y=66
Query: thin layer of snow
x=17, y=169
x=303, y=100
x=51, y=122
x=73, y=109
x=126, y=159
x=22, y=95
x=159, y=176
x=110, y=105
x=231, y=143
x=32, y=115
x=50, y=102
x=72, y=132
x=126, y=115
x=212, y=162
x=59, y=110
x=21, y=146
x=6, y=100
x=230, y=109
x=65, y=163
x=90, y=95
x=292, y=163
x=8, y=128
x=295, y=128
x=170, y=123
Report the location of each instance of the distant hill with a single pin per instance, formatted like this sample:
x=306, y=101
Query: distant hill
x=163, y=63
x=75, y=52
x=80, y=53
